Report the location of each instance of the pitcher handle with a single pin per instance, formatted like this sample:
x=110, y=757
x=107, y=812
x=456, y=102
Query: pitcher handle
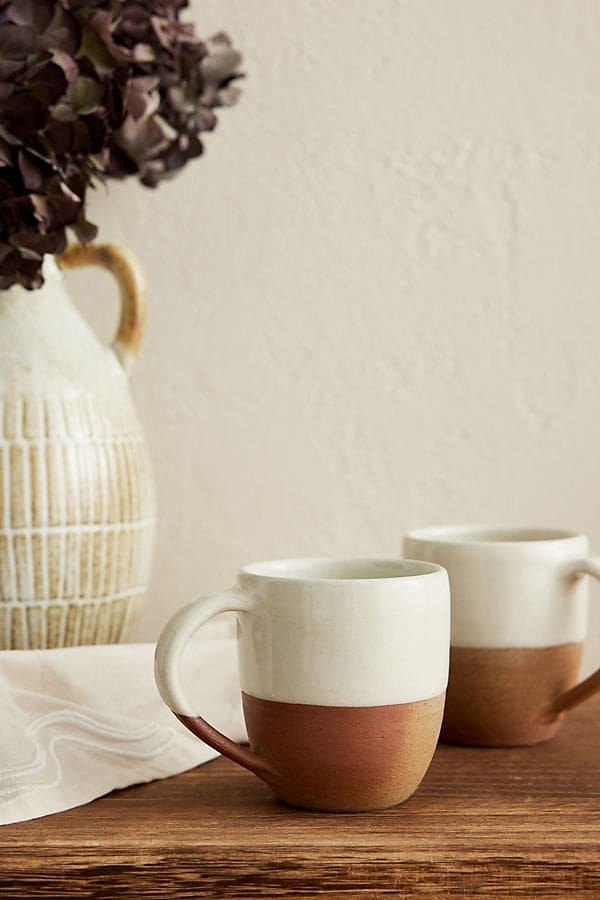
x=127, y=270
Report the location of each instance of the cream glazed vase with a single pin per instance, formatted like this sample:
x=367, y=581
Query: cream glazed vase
x=77, y=501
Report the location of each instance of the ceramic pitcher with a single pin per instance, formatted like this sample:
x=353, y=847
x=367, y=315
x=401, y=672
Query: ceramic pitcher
x=77, y=503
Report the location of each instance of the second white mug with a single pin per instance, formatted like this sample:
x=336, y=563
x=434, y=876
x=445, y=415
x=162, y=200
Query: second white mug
x=519, y=620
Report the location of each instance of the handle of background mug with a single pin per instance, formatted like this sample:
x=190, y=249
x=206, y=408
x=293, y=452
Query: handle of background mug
x=127, y=270
x=590, y=685
x=167, y=658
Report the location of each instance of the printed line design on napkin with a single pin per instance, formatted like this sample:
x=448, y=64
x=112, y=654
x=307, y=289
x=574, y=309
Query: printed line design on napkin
x=48, y=731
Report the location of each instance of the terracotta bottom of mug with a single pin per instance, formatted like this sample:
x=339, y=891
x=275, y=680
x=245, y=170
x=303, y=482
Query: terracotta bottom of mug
x=504, y=697
x=344, y=758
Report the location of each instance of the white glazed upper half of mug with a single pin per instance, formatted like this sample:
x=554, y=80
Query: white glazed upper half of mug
x=344, y=632
x=508, y=584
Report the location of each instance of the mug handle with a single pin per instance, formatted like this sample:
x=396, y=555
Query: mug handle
x=167, y=658
x=590, y=685
x=126, y=269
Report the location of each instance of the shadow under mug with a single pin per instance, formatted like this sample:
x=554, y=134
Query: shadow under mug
x=343, y=669
x=519, y=621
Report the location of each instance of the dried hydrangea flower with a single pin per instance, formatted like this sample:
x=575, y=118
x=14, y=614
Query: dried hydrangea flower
x=95, y=89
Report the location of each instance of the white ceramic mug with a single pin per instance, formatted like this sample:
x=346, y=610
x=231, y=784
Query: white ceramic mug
x=519, y=620
x=343, y=668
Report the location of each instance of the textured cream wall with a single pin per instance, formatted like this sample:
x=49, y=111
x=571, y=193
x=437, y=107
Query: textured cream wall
x=375, y=301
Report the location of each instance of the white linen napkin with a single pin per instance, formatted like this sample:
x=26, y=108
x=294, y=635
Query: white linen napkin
x=81, y=721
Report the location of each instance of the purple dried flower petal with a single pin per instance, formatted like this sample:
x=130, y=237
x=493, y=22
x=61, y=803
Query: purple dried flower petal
x=63, y=32
x=21, y=116
x=31, y=172
x=10, y=67
x=142, y=97
x=37, y=13
x=84, y=231
x=16, y=41
x=48, y=85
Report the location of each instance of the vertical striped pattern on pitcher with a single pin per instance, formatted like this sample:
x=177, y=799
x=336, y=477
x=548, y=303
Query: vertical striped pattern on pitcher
x=76, y=533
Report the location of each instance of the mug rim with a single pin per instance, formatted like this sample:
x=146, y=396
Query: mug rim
x=493, y=535
x=283, y=569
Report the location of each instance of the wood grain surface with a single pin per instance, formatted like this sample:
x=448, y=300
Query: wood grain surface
x=485, y=823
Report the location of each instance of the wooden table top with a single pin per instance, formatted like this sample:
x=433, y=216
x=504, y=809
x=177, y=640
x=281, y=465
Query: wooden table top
x=514, y=823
